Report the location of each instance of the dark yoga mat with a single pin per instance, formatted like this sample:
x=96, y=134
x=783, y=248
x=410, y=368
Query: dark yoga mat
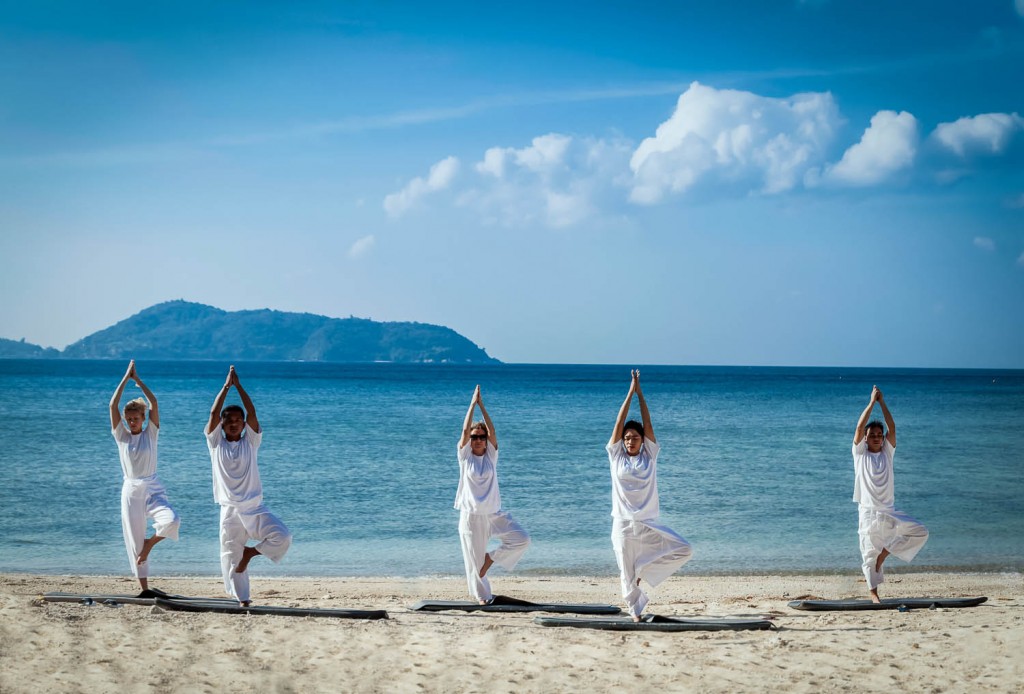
x=886, y=604
x=146, y=597
x=503, y=603
x=655, y=622
x=235, y=608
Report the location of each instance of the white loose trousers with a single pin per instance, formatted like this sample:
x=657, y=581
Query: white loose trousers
x=237, y=526
x=475, y=530
x=143, y=498
x=649, y=551
x=888, y=529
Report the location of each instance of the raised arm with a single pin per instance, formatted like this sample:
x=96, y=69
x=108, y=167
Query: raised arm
x=115, y=400
x=250, y=409
x=624, y=410
x=218, y=402
x=890, y=423
x=644, y=414
x=491, y=436
x=468, y=421
x=858, y=434
x=154, y=411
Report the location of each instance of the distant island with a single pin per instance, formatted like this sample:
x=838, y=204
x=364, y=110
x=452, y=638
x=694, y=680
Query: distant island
x=190, y=331
x=19, y=349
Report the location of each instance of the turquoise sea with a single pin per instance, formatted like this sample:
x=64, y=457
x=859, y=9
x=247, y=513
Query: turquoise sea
x=359, y=461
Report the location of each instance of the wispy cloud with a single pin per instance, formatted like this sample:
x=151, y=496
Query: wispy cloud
x=984, y=243
x=361, y=247
x=440, y=177
x=557, y=180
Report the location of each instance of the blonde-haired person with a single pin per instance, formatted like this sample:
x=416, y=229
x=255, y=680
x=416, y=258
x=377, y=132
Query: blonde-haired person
x=479, y=503
x=142, y=495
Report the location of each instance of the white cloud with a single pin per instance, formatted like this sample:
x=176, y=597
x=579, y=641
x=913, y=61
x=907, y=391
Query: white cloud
x=984, y=243
x=1020, y=260
x=440, y=177
x=1017, y=201
x=887, y=146
x=988, y=133
x=734, y=136
x=1019, y=6
x=545, y=156
x=361, y=247
x=558, y=181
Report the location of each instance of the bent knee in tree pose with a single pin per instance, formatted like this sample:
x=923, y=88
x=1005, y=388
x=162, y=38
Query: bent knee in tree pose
x=882, y=528
x=233, y=436
x=644, y=548
x=143, y=497
x=478, y=501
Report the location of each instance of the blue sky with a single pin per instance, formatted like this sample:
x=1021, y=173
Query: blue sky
x=788, y=183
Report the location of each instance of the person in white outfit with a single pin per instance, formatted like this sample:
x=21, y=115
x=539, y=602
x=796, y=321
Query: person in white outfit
x=644, y=549
x=882, y=529
x=142, y=495
x=479, y=503
x=233, y=436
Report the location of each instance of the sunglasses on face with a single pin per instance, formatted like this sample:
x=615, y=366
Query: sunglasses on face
x=477, y=437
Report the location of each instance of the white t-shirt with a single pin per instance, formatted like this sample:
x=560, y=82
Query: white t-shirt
x=478, y=480
x=634, y=481
x=873, y=475
x=236, y=478
x=137, y=451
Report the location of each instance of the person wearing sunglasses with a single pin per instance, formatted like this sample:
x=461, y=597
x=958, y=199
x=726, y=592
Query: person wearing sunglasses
x=644, y=549
x=479, y=503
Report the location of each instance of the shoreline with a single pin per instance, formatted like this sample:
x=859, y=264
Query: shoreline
x=539, y=574
x=69, y=647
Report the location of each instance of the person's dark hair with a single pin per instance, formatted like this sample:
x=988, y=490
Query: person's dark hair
x=232, y=408
x=635, y=426
x=480, y=425
x=874, y=423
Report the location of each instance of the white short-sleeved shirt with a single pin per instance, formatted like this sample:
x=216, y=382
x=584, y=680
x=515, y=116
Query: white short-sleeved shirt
x=634, y=481
x=873, y=475
x=236, y=478
x=136, y=451
x=478, y=480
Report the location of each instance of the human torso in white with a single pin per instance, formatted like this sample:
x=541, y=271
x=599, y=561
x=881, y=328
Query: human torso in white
x=137, y=451
x=634, y=481
x=478, y=481
x=873, y=476
x=236, y=477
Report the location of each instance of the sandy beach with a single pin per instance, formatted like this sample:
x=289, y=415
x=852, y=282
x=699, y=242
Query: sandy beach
x=53, y=647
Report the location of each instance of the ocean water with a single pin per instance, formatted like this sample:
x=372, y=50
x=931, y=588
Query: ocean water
x=359, y=461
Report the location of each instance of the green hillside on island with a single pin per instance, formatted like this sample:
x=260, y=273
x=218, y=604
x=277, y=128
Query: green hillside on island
x=19, y=349
x=186, y=330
